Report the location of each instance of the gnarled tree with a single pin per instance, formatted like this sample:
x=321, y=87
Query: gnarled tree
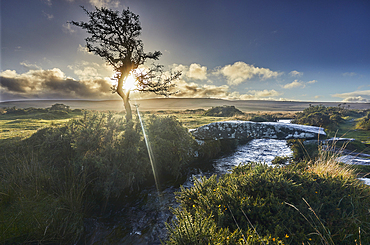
x=114, y=36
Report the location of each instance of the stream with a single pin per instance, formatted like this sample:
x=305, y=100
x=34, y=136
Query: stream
x=142, y=219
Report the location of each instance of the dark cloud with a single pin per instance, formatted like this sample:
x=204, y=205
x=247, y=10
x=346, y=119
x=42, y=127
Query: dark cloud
x=52, y=84
x=15, y=85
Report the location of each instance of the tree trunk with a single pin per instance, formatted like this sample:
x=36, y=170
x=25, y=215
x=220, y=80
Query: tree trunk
x=125, y=95
x=126, y=103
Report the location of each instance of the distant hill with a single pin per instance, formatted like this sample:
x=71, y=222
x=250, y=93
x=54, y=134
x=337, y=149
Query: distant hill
x=182, y=104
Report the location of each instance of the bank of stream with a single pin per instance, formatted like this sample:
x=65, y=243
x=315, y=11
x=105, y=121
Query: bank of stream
x=142, y=218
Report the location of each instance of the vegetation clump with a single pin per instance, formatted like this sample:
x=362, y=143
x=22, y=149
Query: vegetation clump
x=223, y=111
x=320, y=116
x=263, y=118
x=364, y=123
x=288, y=204
x=56, y=111
x=53, y=179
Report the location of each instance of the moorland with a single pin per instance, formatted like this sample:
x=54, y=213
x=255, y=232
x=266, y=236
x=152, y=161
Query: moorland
x=61, y=164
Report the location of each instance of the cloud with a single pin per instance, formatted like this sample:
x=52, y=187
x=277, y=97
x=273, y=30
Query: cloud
x=297, y=84
x=240, y=72
x=49, y=16
x=294, y=84
x=84, y=50
x=48, y=2
x=359, y=96
x=90, y=70
x=67, y=28
x=295, y=73
x=195, y=90
x=52, y=84
x=355, y=99
x=104, y=3
x=197, y=71
x=349, y=74
x=260, y=94
x=29, y=66
x=194, y=71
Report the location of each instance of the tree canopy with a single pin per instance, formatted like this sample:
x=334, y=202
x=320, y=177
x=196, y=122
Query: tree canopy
x=115, y=37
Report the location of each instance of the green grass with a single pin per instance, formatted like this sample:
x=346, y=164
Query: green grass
x=347, y=129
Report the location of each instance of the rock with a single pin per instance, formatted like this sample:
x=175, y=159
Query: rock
x=243, y=130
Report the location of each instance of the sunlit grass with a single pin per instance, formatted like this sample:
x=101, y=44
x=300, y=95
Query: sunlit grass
x=327, y=165
x=24, y=128
x=347, y=130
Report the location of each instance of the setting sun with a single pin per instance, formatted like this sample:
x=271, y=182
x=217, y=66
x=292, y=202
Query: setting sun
x=130, y=83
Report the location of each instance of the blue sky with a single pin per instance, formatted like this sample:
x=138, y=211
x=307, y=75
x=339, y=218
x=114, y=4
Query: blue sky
x=266, y=49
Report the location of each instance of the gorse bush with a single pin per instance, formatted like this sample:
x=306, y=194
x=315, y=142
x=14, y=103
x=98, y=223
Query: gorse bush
x=265, y=196
x=321, y=116
x=52, y=179
x=263, y=118
x=223, y=111
x=173, y=146
x=114, y=154
x=364, y=123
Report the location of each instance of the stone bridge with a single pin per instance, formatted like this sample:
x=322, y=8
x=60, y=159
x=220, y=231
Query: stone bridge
x=244, y=130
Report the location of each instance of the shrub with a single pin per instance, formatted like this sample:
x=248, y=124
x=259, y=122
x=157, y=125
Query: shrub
x=172, y=145
x=62, y=172
x=320, y=116
x=280, y=160
x=364, y=123
x=264, y=118
x=223, y=111
x=270, y=197
x=114, y=154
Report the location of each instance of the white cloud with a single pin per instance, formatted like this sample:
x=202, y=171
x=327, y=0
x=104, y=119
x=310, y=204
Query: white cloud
x=294, y=84
x=361, y=96
x=194, y=71
x=83, y=49
x=49, y=16
x=259, y=94
x=104, y=3
x=48, y=2
x=240, y=72
x=349, y=74
x=295, y=73
x=29, y=66
x=67, y=28
x=195, y=90
x=355, y=99
x=87, y=73
x=197, y=71
x=90, y=70
x=297, y=84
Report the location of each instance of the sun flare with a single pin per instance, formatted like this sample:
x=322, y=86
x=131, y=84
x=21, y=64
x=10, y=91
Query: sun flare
x=130, y=83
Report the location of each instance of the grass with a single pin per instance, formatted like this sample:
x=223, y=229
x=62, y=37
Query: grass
x=348, y=129
x=46, y=200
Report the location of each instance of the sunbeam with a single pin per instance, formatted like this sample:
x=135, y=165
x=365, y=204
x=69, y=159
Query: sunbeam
x=150, y=152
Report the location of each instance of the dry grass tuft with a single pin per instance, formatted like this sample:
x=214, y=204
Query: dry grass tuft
x=327, y=165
